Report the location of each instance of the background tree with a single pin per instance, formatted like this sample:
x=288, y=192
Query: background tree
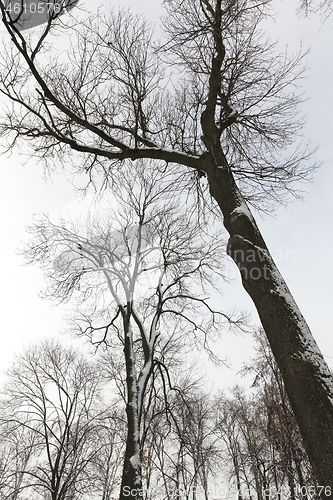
x=260, y=434
x=194, y=442
x=52, y=401
x=104, y=471
x=278, y=420
x=17, y=451
x=232, y=116
x=309, y=7
x=181, y=444
x=198, y=455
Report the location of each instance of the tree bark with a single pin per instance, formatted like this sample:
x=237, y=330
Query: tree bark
x=131, y=483
x=307, y=378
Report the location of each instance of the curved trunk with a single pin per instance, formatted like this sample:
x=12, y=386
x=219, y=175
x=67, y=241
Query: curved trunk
x=307, y=378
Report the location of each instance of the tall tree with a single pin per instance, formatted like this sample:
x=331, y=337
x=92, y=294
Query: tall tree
x=140, y=274
x=231, y=116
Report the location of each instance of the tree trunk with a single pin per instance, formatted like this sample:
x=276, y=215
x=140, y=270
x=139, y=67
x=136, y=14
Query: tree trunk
x=131, y=483
x=237, y=473
x=307, y=378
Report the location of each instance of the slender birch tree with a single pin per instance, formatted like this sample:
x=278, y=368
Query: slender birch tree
x=214, y=97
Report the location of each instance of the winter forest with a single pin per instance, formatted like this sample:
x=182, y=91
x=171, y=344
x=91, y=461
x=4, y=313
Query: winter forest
x=178, y=137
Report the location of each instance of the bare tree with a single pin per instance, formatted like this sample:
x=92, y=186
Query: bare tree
x=141, y=276
x=105, y=467
x=232, y=116
x=261, y=434
x=17, y=447
x=181, y=445
x=228, y=431
x=308, y=7
x=278, y=421
x=194, y=427
x=52, y=396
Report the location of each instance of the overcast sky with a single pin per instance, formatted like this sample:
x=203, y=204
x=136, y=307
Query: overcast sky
x=300, y=236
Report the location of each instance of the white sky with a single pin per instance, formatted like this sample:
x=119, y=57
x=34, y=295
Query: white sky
x=299, y=237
